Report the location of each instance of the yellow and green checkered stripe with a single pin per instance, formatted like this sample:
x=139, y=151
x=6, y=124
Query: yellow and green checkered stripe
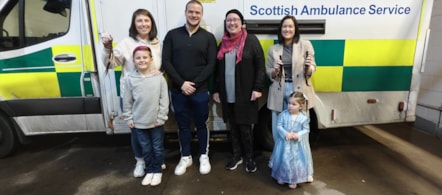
x=36, y=76
x=363, y=65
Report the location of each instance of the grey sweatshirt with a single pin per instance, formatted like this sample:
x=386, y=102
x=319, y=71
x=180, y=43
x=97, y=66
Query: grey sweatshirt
x=145, y=100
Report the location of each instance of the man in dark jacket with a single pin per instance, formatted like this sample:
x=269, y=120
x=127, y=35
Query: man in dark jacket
x=189, y=57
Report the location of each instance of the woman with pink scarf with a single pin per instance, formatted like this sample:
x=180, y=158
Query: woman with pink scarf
x=239, y=82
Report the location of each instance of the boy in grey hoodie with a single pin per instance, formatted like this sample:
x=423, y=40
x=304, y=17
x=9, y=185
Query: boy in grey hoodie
x=146, y=107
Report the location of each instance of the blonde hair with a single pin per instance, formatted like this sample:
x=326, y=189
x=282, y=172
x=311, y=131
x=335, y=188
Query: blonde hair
x=301, y=100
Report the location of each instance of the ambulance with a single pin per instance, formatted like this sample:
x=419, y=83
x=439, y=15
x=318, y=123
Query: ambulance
x=53, y=80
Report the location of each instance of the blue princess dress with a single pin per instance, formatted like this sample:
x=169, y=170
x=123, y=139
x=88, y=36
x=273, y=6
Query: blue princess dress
x=292, y=159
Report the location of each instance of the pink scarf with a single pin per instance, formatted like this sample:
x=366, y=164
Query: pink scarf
x=228, y=44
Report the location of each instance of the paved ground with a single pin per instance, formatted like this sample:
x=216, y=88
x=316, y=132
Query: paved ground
x=383, y=159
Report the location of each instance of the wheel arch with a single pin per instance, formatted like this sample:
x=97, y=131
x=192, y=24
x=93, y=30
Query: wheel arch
x=8, y=114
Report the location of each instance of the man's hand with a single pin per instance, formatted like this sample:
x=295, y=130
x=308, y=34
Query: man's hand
x=188, y=88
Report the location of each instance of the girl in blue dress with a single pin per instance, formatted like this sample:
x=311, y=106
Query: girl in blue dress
x=292, y=158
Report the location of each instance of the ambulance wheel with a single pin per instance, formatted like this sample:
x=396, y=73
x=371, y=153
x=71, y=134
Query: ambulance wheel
x=8, y=140
x=263, y=130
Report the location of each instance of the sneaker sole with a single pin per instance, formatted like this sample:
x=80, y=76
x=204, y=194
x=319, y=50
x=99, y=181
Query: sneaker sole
x=205, y=172
x=182, y=172
x=185, y=169
x=251, y=171
x=141, y=174
x=236, y=165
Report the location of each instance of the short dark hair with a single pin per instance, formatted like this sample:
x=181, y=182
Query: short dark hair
x=133, y=30
x=297, y=35
x=194, y=2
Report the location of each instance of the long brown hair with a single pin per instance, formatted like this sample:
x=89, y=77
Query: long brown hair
x=297, y=35
x=133, y=30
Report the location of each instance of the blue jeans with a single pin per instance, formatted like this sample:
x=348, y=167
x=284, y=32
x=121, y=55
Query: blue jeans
x=152, y=147
x=195, y=106
x=136, y=148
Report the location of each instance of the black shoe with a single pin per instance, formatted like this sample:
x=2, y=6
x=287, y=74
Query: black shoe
x=233, y=164
x=250, y=166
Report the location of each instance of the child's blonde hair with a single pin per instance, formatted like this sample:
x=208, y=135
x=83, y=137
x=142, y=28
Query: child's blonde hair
x=300, y=99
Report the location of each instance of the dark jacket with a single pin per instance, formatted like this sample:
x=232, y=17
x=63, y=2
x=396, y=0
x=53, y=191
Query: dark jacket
x=189, y=58
x=249, y=76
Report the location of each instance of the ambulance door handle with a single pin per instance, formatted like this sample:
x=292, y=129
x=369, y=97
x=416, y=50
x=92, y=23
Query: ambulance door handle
x=65, y=58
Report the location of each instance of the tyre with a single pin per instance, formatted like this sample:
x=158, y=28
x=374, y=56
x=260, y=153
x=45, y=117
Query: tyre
x=314, y=131
x=263, y=130
x=8, y=139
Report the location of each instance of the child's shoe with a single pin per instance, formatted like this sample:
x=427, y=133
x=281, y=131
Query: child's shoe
x=156, y=179
x=147, y=179
x=139, y=169
x=292, y=186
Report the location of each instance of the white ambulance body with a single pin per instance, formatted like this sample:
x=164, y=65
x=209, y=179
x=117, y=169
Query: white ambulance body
x=53, y=80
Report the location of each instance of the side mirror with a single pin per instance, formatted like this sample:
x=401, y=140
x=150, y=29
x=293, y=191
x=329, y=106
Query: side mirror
x=56, y=7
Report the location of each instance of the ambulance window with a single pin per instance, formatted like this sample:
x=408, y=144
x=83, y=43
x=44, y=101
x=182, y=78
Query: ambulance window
x=45, y=20
x=9, y=39
x=25, y=23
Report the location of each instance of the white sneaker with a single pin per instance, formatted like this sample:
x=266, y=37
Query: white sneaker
x=156, y=179
x=204, y=164
x=139, y=169
x=310, y=179
x=185, y=161
x=147, y=179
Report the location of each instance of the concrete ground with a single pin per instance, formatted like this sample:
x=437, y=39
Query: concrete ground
x=381, y=159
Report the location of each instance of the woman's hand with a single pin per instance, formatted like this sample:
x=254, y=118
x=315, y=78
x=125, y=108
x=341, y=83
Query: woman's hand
x=107, y=41
x=308, y=66
x=216, y=98
x=156, y=72
x=255, y=95
x=277, y=68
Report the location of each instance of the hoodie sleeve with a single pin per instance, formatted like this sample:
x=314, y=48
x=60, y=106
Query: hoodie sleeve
x=127, y=102
x=164, y=102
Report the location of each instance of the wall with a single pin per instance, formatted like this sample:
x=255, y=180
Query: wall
x=429, y=109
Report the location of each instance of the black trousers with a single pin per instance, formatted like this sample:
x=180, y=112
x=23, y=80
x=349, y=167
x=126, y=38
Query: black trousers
x=241, y=135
